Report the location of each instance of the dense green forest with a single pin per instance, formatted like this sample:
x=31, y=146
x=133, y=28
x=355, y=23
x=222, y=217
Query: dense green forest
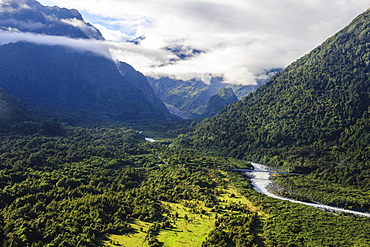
x=313, y=117
x=74, y=186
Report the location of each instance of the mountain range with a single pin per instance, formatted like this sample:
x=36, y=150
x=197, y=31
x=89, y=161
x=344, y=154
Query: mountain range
x=189, y=99
x=56, y=80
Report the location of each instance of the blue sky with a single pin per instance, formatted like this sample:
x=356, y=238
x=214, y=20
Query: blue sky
x=239, y=39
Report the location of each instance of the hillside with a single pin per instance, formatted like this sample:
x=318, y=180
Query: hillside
x=10, y=110
x=63, y=81
x=92, y=84
x=312, y=115
x=141, y=82
x=223, y=97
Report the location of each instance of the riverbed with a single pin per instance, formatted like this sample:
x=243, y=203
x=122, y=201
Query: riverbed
x=261, y=182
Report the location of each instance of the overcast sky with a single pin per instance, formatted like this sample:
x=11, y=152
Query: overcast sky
x=236, y=39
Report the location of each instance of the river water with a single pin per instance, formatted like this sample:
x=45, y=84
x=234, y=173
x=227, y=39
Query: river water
x=150, y=139
x=261, y=182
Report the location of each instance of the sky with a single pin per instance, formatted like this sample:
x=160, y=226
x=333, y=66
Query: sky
x=234, y=39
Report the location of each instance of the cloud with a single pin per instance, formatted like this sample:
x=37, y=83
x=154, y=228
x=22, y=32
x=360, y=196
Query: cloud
x=98, y=47
x=88, y=30
x=24, y=25
x=21, y=4
x=238, y=38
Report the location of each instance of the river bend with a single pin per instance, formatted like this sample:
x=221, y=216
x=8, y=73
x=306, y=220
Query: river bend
x=261, y=182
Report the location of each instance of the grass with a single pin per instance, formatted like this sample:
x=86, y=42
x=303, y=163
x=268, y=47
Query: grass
x=136, y=239
x=189, y=233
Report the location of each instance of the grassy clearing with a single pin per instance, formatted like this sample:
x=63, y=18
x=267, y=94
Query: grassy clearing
x=232, y=195
x=190, y=232
x=135, y=239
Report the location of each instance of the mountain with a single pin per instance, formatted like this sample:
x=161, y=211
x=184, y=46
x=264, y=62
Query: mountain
x=185, y=98
x=312, y=115
x=189, y=99
x=57, y=81
x=30, y=16
x=11, y=110
x=141, y=82
x=223, y=97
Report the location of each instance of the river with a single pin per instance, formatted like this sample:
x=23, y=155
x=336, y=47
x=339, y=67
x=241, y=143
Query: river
x=261, y=182
x=150, y=139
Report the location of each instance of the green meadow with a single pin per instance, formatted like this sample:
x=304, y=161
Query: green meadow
x=191, y=222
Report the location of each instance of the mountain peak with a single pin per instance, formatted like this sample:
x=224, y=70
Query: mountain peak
x=32, y=17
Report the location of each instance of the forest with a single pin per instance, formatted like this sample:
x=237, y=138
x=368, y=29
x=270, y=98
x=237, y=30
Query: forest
x=79, y=186
x=311, y=118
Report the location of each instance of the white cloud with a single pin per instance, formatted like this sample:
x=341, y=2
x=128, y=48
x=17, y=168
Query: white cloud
x=22, y=4
x=98, y=47
x=239, y=38
x=88, y=30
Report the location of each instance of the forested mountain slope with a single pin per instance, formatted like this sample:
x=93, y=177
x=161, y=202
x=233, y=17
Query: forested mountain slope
x=313, y=114
x=58, y=80
x=223, y=97
x=10, y=110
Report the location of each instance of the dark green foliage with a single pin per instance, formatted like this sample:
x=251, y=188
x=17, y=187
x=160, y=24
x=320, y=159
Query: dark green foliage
x=71, y=186
x=293, y=224
x=312, y=116
x=309, y=189
x=223, y=97
x=11, y=111
x=233, y=231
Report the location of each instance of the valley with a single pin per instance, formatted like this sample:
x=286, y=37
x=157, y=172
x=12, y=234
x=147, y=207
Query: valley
x=95, y=153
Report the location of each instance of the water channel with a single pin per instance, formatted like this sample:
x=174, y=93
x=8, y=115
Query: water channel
x=261, y=183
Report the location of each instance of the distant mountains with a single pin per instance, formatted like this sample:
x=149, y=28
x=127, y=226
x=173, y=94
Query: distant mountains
x=189, y=99
x=314, y=112
x=55, y=81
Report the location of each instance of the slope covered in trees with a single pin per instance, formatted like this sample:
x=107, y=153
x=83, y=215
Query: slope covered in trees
x=223, y=97
x=11, y=110
x=312, y=116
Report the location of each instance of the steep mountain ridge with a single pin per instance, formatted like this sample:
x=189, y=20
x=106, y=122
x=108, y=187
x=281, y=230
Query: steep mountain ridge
x=64, y=79
x=311, y=111
x=30, y=16
x=141, y=82
x=56, y=81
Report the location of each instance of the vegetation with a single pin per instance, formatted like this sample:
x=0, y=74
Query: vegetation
x=73, y=186
x=313, y=117
x=223, y=97
x=66, y=186
x=107, y=186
